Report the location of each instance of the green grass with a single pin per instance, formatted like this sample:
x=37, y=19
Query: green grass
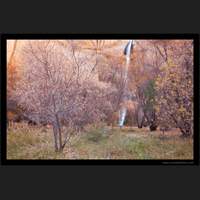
x=98, y=142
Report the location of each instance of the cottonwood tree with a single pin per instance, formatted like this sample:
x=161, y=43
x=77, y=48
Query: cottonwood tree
x=174, y=85
x=169, y=64
x=58, y=86
x=142, y=73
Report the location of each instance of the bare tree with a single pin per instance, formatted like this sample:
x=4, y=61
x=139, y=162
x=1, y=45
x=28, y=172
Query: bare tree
x=60, y=87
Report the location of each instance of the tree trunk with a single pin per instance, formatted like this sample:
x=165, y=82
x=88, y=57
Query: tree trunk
x=59, y=133
x=55, y=137
x=186, y=130
x=153, y=127
x=151, y=118
x=140, y=117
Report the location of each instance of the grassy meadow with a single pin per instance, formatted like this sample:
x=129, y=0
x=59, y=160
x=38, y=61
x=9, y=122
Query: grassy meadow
x=98, y=142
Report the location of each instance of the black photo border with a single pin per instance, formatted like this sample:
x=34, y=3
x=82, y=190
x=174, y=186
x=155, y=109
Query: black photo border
x=21, y=36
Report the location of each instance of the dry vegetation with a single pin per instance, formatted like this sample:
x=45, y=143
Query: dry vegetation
x=74, y=86
x=98, y=142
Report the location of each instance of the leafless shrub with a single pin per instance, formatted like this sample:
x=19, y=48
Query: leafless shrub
x=60, y=86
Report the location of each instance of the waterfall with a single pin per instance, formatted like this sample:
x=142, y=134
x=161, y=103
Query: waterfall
x=122, y=115
x=127, y=52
